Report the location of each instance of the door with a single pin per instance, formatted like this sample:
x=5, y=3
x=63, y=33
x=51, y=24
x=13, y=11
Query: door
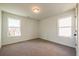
x=0, y=28
x=77, y=38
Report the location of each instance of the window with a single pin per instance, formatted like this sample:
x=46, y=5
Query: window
x=13, y=27
x=64, y=27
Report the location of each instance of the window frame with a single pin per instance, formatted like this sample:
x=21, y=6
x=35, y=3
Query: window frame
x=63, y=27
x=19, y=27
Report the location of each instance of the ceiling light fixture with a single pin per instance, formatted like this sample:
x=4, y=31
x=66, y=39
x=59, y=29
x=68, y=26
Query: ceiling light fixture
x=36, y=9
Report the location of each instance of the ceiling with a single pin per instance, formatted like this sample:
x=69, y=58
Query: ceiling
x=46, y=9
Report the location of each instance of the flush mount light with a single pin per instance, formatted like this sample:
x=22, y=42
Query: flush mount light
x=36, y=9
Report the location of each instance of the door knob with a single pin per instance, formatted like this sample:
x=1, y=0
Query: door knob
x=75, y=34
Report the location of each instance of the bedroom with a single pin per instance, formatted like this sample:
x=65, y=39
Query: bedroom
x=38, y=29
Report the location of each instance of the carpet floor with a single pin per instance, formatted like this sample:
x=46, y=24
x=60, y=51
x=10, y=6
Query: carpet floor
x=37, y=47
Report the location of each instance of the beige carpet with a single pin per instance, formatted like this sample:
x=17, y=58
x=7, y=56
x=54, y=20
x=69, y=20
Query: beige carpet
x=36, y=47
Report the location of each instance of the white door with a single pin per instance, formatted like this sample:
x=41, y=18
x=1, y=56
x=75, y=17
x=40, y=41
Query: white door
x=0, y=28
x=77, y=47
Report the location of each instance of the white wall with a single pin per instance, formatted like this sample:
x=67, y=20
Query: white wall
x=28, y=29
x=48, y=29
x=0, y=28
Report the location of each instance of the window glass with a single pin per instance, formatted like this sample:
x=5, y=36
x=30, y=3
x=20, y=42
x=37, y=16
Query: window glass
x=13, y=27
x=64, y=27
